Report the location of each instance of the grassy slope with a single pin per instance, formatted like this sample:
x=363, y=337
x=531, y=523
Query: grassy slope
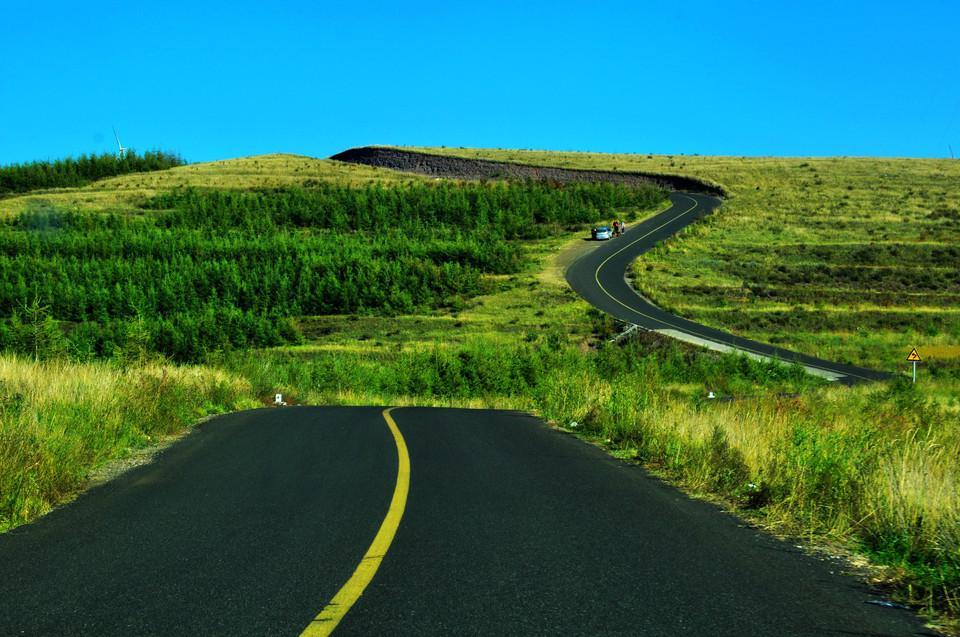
x=849, y=259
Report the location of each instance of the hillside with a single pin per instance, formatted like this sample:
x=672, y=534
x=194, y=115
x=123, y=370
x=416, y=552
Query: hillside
x=849, y=259
x=126, y=193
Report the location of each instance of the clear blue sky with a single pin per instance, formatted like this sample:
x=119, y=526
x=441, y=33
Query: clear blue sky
x=220, y=80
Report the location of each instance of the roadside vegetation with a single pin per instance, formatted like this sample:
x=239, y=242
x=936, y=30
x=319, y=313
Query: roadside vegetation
x=487, y=321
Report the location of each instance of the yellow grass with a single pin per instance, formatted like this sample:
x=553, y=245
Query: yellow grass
x=60, y=381
x=937, y=352
x=124, y=194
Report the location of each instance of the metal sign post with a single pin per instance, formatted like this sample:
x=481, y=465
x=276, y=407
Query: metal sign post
x=914, y=357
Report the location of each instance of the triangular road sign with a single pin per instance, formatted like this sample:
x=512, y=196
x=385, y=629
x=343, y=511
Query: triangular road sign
x=914, y=356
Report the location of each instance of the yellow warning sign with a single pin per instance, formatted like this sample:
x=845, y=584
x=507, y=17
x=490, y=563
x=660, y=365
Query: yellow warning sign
x=914, y=356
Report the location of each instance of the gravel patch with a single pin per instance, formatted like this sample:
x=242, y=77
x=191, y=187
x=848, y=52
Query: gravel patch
x=478, y=169
x=135, y=458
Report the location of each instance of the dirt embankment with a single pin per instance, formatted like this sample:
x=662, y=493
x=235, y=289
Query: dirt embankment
x=477, y=169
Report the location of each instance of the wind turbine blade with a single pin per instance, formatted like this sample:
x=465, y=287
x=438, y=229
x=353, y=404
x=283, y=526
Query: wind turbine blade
x=117, y=138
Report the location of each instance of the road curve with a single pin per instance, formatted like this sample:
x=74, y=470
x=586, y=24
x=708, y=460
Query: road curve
x=599, y=278
x=252, y=523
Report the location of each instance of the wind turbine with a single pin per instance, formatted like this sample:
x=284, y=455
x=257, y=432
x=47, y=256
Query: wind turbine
x=122, y=149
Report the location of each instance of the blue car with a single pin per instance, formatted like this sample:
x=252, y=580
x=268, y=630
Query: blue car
x=601, y=234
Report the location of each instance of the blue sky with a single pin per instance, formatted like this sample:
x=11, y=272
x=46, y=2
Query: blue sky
x=220, y=80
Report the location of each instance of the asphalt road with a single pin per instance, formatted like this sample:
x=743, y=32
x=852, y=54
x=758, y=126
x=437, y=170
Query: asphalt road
x=598, y=277
x=252, y=523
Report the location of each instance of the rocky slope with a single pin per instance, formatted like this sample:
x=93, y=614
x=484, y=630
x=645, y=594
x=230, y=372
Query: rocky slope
x=477, y=169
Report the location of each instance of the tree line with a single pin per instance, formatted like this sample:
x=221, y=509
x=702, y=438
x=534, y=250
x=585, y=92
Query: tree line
x=73, y=173
x=505, y=210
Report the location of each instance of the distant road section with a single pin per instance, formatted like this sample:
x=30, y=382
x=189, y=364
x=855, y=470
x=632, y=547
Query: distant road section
x=599, y=277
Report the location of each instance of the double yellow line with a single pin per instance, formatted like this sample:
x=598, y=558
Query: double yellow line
x=324, y=623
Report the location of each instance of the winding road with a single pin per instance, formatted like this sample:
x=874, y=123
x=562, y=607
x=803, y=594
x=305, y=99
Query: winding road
x=598, y=277
x=410, y=521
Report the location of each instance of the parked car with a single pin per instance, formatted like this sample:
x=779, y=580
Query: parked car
x=601, y=233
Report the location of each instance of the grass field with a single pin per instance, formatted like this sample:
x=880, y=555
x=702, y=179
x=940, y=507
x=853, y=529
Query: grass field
x=825, y=254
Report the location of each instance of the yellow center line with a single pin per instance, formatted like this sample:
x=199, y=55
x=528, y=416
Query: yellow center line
x=596, y=276
x=329, y=617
